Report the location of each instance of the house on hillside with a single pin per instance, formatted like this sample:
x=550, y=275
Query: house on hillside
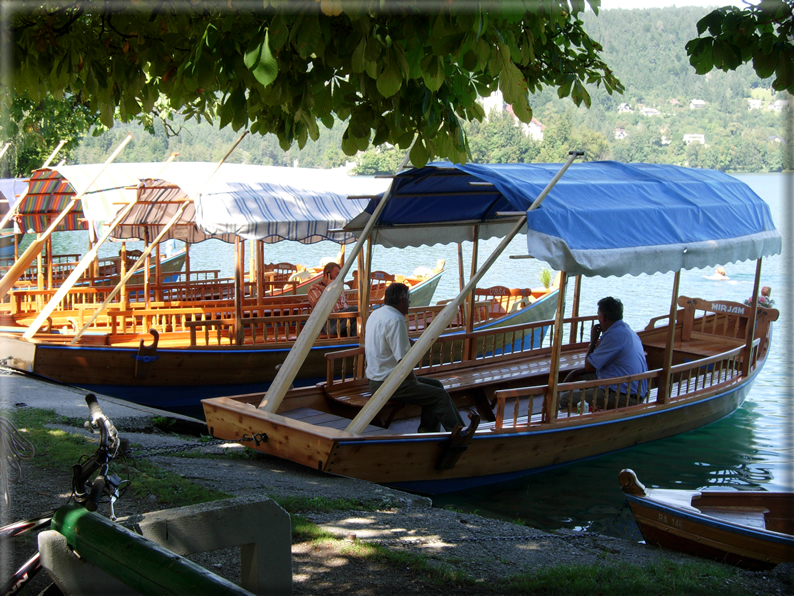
x=754, y=104
x=649, y=112
x=779, y=105
x=695, y=138
x=624, y=107
x=775, y=139
x=533, y=130
x=494, y=102
x=620, y=133
x=697, y=104
x=674, y=102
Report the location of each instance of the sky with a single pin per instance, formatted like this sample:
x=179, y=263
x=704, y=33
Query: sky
x=607, y=4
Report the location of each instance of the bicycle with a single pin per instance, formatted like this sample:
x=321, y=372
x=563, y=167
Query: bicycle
x=87, y=490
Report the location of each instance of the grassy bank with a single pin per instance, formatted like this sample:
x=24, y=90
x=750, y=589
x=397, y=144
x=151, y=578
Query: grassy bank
x=58, y=450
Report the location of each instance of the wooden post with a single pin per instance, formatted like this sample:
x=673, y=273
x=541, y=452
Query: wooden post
x=461, y=280
x=550, y=415
x=260, y=271
x=252, y=271
x=123, y=273
x=471, y=346
x=439, y=324
x=577, y=295
x=49, y=263
x=239, y=280
x=187, y=270
x=663, y=391
x=147, y=249
x=158, y=279
x=39, y=274
x=751, y=321
x=23, y=262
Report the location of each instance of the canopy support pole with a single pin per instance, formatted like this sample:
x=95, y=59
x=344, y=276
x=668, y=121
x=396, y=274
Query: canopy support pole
x=577, y=294
x=4, y=149
x=439, y=324
x=471, y=346
x=319, y=315
x=461, y=280
x=10, y=278
x=49, y=262
x=122, y=273
x=239, y=282
x=260, y=270
x=663, y=391
x=751, y=322
x=550, y=415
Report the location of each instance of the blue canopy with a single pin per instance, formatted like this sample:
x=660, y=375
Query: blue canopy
x=601, y=218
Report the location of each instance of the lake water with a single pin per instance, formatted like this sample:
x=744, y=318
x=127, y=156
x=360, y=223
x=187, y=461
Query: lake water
x=752, y=448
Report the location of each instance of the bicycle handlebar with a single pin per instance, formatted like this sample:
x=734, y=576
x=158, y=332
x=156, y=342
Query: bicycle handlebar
x=109, y=445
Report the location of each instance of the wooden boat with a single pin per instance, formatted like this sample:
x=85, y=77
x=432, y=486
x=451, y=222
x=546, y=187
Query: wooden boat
x=751, y=529
x=194, y=353
x=196, y=339
x=703, y=356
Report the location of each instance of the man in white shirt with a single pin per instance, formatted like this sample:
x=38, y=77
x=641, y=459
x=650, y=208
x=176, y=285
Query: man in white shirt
x=386, y=343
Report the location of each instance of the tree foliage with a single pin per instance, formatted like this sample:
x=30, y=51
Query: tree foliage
x=761, y=34
x=394, y=72
x=36, y=127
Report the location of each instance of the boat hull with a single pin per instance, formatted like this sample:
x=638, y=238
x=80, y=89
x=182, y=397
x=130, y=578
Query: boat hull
x=708, y=537
x=409, y=461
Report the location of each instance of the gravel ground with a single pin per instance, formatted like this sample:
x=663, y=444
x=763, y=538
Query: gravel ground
x=485, y=549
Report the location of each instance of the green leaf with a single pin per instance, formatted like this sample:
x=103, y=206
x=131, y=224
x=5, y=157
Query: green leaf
x=309, y=36
x=764, y=63
x=434, y=75
x=784, y=71
x=261, y=62
x=279, y=32
x=357, y=61
x=390, y=79
x=419, y=154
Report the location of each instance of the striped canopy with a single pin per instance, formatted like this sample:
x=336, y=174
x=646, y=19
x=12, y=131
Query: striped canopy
x=51, y=190
x=253, y=202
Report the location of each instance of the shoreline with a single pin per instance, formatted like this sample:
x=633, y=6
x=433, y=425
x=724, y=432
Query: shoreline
x=483, y=549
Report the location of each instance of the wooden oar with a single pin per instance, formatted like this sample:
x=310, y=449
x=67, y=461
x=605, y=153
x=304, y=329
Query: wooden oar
x=444, y=318
x=149, y=248
x=84, y=263
x=19, y=267
x=12, y=211
x=319, y=315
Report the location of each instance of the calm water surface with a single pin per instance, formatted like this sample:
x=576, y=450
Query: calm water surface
x=752, y=449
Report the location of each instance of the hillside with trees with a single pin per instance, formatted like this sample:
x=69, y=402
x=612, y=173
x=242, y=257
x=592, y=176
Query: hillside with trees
x=646, y=50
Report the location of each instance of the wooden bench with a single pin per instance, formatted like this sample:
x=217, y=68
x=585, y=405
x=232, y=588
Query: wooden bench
x=470, y=383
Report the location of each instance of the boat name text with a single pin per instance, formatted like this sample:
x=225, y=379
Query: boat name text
x=676, y=523
x=736, y=310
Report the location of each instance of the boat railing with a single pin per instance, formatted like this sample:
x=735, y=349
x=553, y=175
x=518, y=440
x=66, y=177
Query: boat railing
x=686, y=381
x=278, y=326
